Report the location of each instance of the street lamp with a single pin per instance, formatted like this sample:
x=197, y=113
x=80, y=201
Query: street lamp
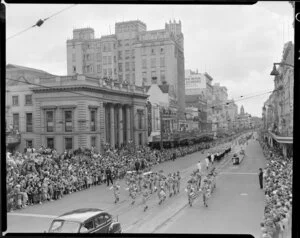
x=275, y=71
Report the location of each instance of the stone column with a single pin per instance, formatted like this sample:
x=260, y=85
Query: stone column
x=128, y=123
x=112, y=125
x=121, y=139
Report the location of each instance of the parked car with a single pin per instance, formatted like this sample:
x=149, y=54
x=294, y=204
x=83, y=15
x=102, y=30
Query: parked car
x=86, y=220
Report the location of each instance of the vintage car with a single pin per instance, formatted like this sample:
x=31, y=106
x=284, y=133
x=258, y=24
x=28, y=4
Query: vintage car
x=86, y=220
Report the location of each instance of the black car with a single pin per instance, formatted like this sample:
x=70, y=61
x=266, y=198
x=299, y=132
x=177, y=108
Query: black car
x=86, y=220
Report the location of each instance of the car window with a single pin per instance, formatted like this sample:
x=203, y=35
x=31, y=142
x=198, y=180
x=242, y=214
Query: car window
x=106, y=216
x=99, y=220
x=88, y=225
x=64, y=227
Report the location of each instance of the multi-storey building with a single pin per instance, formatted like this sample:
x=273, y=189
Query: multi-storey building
x=19, y=113
x=132, y=54
x=220, y=114
x=199, y=93
x=278, y=109
x=69, y=112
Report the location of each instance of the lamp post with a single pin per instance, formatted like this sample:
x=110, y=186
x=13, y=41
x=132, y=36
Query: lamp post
x=275, y=72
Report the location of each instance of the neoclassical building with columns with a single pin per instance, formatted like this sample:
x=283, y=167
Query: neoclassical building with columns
x=83, y=111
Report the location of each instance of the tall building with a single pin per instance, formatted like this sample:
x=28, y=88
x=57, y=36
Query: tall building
x=132, y=54
x=199, y=93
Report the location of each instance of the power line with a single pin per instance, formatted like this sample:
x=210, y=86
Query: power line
x=40, y=22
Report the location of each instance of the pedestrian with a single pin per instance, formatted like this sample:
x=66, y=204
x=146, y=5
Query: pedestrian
x=108, y=176
x=145, y=196
x=260, y=177
x=174, y=156
x=116, y=189
x=212, y=157
x=207, y=161
x=199, y=166
x=137, y=166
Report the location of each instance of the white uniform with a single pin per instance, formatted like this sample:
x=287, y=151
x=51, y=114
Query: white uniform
x=212, y=158
x=199, y=166
x=207, y=161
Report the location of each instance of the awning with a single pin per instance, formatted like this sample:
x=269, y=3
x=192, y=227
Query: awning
x=282, y=139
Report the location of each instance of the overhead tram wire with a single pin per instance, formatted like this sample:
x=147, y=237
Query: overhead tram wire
x=40, y=22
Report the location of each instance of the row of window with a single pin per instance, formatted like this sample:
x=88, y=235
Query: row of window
x=153, y=50
x=28, y=100
x=68, y=121
x=68, y=142
x=50, y=121
x=153, y=62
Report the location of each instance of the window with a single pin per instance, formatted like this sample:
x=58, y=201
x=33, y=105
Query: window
x=144, y=63
x=153, y=63
x=15, y=100
x=50, y=121
x=68, y=143
x=133, y=66
x=68, y=121
x=140, y=139
x=120, y=77
x=127, y=68
x=133, y=53
x=109, y=60
x=16, y=121
x=29, y=143
x=104, y=59
x=109, y=72
x=104, y=47
x=153, y=51
x=74, y=69
x=115, y=59
x=144, y=75
x=133, y=77
x=28, y=99
x=109, y=47
x=98, y=56
x=140, y=120
x=120, y=67
x=127, y=77
x=127, y=54
x=28, y=122
x=93, y=120
x=73, y=57
x=162, y=76
x=120, y=55
x=162, y=61
x=50, y=143
x=162, y=51
x=93, y=141
x=115, y=71
x=98, y=68
x=119, y=43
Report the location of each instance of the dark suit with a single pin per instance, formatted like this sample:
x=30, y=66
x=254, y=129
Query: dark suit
x=260, y=176
x=108, y=176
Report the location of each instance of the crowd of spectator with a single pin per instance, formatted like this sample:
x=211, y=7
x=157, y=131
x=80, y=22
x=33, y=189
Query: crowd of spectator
x=278, y=192
x=40, y=175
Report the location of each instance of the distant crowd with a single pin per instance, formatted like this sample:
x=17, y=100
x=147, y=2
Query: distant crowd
x=278, y=193
x=40, y=175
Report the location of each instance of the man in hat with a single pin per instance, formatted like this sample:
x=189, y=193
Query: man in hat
x=260, y=177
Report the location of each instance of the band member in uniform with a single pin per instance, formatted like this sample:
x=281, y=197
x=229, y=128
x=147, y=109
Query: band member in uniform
x=174, y=183
x=116, y=189
x=145, y=197
x=178, y=181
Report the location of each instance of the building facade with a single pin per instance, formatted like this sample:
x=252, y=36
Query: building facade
x=278, y=109
x=19, y=105
x=132, y=54
x=69, y=112
x=199, y=94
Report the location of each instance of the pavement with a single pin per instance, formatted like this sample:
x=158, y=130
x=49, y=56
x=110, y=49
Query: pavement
x=163, y=218
x=235, y=207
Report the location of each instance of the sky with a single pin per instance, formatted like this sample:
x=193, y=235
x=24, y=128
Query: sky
x=236, y=45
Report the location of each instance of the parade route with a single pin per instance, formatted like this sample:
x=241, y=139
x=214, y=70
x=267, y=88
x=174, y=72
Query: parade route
x=235, y=207
x=133, y=219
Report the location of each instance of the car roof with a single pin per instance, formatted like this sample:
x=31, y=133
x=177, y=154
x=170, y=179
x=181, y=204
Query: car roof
x=80, y=215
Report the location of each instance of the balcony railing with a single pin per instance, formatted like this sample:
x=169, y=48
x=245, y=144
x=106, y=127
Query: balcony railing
x=13, y=138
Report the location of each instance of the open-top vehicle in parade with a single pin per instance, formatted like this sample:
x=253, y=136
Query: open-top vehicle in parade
x=86, y=220
x=238, y=157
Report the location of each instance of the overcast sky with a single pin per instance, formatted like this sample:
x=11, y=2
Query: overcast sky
x=236, y=45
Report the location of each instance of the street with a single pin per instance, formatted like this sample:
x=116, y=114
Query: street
x=235, y=207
